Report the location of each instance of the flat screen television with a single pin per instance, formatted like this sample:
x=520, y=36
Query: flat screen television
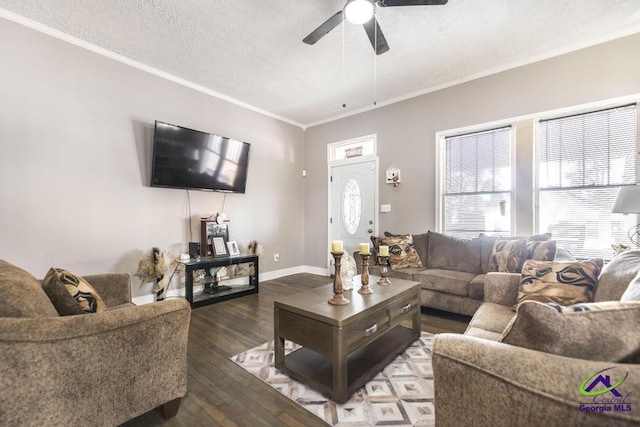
x=191, y=159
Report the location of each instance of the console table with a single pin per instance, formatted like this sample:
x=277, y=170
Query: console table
x=343, y=346
x=242, y=279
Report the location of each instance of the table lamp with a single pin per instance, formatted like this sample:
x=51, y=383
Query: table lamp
x=628, y=202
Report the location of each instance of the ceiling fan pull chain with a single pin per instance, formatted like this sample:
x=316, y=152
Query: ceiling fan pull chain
x=375, y=60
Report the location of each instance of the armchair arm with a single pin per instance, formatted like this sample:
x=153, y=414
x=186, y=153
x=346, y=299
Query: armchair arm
x=501, y=288
x=477, y=380
x=120, y=364
x=113, y=288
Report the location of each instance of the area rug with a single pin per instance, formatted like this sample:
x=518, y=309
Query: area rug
x=400, y=395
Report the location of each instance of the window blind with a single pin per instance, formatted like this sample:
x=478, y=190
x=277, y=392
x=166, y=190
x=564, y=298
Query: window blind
x=477, y=183
x=582, y=161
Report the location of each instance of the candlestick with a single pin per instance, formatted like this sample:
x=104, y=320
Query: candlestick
x=336, y=246
x=338, y=298
x=364, y=277
x=384, y=271
x=383, y=250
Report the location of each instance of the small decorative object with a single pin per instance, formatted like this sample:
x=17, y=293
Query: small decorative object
x=393, y=176
x=219, y=246
x=222, y=274
x=153, y=268
x=384, y=265
x=347, y=271
x=364, y=277
x=338, y=298
x=618, y=248
x=255, y=248
x=198, y=275
x=233, y=248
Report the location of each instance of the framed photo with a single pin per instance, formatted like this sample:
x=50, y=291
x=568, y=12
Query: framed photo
x=219, y=246
x=233, y=248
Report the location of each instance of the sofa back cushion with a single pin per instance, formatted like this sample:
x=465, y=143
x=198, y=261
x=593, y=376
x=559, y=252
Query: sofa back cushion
x=22, y=294
x=616, y=276
x=449, y=253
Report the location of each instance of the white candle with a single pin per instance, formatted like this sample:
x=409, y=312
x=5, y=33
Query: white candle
x=336, y=246
x=384, y=250
x=364, y=248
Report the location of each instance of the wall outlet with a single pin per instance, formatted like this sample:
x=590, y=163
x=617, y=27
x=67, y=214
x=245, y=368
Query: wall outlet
x=276, y=256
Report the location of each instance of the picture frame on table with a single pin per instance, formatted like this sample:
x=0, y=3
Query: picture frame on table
x=233, y=248
x=219, y=246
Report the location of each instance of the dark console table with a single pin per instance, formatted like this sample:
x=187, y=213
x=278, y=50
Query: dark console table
x=242, y=271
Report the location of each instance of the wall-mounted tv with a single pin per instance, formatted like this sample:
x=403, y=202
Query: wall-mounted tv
x=191, y=159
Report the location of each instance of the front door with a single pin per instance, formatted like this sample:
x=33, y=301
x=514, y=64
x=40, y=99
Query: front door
x=353, y=203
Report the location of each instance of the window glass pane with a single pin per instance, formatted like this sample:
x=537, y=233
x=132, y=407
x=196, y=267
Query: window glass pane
x=477, y=183
x=582, y=161
x=351, y=206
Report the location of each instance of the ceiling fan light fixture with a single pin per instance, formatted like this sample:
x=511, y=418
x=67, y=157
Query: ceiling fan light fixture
x=358, y=11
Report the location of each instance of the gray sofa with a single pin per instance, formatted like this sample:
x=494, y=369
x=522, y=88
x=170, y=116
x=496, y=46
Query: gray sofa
x=482, y=378
x=453, y=270
x=98, y=369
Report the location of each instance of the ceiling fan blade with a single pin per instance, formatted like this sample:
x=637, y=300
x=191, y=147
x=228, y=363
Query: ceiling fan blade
x=374, y=32
x=390, y=3
x=323, y=29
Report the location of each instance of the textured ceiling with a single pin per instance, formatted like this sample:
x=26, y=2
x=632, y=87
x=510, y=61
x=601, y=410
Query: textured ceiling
x=252, y=50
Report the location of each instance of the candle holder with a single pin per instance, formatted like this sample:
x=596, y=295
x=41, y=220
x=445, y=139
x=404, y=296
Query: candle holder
x=364, y=278
x=384, y=272
x=338, y=298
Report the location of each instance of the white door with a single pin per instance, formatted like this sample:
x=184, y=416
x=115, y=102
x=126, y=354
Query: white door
x=353, y=203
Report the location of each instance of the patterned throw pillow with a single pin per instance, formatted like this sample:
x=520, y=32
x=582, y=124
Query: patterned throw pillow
x=583, y=331
x=71, y=294
x=508, y=256
x=541, y=251
x=402, y=254
x=564, y=283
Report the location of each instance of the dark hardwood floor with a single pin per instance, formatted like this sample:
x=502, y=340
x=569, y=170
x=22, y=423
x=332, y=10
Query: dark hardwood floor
x=220, y=393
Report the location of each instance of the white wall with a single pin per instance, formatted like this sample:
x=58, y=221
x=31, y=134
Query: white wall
x=76, y=134
x=406, y=132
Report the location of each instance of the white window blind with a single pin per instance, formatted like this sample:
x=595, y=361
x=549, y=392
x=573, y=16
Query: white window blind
x=477, y=183
x=582, y=161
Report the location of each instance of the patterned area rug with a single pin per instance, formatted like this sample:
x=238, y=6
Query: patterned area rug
x=400, y=395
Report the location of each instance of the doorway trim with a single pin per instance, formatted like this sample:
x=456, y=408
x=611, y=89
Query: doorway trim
x=370, y=139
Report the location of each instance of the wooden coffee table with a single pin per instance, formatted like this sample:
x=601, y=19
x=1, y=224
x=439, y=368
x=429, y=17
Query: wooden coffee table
x=343, y=347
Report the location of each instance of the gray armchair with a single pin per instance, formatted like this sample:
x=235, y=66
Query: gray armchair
x=95, y=369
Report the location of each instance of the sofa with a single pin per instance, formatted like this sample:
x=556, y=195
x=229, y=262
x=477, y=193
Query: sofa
x=98, y=369
x=452, y=271
x=543, y=363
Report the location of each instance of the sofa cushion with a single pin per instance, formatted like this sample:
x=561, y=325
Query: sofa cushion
x=450, y=253
x=476, y=287
x=633, y=290
x=491, y=317
x=564, y=283
x=71, y=294
x=508, y=255
x=487, y=243
x=617, y=275
x=451, y=282
x=22, y=294
x=605, y=331
x=401, y=252
x=403, y=273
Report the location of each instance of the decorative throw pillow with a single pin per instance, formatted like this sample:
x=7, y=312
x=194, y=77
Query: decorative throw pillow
x=401, y=252
x=583, y=331
x=565, y=283
x=71, y=294
x=541, y=250
x=633, y=290
x=508, y=256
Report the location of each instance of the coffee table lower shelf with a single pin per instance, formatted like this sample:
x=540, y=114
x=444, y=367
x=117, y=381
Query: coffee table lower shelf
x=316, y=370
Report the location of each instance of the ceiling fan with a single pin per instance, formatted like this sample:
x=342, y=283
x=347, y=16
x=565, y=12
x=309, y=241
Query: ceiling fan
x=363, y=12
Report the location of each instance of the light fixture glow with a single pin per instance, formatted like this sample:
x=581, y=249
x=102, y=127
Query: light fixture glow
x=358, y=11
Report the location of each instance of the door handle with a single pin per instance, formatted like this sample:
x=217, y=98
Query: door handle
x=370, y=231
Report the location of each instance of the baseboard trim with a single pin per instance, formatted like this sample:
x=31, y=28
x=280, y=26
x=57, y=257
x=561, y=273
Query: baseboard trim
x=269, y=275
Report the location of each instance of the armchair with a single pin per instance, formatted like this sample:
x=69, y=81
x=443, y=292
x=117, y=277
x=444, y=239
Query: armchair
x=93, y=369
